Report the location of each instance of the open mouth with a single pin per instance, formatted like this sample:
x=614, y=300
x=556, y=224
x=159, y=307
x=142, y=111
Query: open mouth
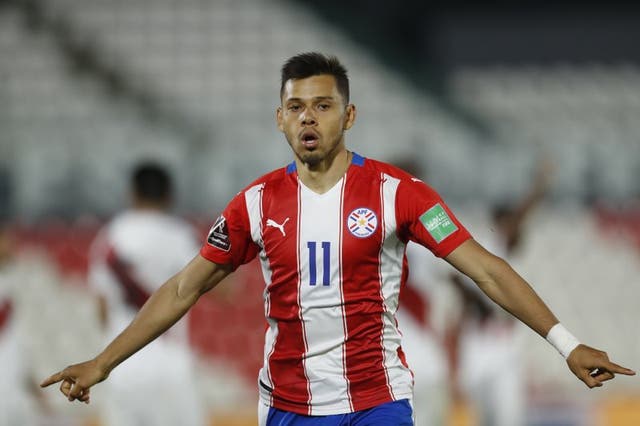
x=309, y=138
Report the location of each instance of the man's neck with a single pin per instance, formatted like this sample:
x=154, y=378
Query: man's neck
x=149, y=206
x=325, y=175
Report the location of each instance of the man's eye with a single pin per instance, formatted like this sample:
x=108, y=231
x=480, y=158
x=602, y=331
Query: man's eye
x=294, y=108
x=324, y=107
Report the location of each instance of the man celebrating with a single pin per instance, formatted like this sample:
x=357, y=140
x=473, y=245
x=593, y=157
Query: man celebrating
x=333, y=269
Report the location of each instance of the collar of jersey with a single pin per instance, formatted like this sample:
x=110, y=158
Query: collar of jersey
x=356, y=160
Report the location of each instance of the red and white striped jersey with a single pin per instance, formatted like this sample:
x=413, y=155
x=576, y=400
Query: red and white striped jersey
x=333, y=265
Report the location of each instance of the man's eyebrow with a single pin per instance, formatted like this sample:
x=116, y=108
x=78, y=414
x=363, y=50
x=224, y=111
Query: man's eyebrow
x=315, y=98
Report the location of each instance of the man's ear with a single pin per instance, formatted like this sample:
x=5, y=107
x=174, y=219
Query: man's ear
x=350, y=116
x=279, y=119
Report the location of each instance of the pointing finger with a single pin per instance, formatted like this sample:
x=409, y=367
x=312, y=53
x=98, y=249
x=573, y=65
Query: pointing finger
x=615, y=368
x=54, y=378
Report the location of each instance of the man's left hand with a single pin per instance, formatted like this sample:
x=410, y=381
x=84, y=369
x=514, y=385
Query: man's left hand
x=593, y=367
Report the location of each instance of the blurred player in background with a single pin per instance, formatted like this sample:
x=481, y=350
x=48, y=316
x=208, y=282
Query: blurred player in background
x=422, y=344
x=18, y=388
x=330, y=230
x=136, y=252
x=490, y=370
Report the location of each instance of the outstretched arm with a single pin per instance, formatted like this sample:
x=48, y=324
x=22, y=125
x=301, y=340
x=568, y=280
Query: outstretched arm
x=504, y=286
x=163, y=309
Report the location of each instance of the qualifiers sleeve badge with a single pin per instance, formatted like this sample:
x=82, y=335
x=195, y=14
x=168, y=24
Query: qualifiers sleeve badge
x=362, y=222
x=219, y=234
x=438, y=223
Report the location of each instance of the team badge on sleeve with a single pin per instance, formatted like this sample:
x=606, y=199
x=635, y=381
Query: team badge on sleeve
x=438, y=223
x=362, y=222
x=219, y=234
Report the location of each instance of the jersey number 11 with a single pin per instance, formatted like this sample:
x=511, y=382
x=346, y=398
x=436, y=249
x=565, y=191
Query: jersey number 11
x=326, y=266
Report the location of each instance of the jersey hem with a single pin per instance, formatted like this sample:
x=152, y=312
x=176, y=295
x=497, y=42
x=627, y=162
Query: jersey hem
x=329, y=411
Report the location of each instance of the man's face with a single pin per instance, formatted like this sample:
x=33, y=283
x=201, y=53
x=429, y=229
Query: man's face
x=313, y=118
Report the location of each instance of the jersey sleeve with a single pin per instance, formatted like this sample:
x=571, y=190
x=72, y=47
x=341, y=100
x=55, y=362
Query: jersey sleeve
x=229, y=239
x=423, y=217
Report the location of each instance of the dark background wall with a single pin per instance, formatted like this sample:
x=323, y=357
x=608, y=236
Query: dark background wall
x=433, y=37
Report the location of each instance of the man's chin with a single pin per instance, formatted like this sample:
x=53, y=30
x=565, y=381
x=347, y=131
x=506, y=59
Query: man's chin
x=311, y=159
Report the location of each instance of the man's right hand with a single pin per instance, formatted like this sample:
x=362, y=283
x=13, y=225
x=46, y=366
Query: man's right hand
x=77, y=380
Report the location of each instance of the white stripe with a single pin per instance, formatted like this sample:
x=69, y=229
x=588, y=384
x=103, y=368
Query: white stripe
x=341, y=280
x=392, y=249
x=391, y=258
x=384, y=232
x=253, y=201
x=321, y=307
x=300, y=312
x=270, y=337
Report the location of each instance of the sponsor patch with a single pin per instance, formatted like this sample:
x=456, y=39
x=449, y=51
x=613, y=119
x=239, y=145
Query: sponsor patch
x=219, y=234
x=362, y=222
x=438, y=223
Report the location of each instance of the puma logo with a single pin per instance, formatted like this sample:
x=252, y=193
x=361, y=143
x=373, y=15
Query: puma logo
x=271, y=222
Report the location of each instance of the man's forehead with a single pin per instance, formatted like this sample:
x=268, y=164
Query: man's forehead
x=317, y=86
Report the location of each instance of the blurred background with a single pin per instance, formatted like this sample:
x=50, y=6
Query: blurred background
x=485, y=99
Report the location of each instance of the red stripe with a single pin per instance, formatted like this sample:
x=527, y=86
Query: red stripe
x=286, y=362
x=134, y=292
x=5, y=313
x=368, y=382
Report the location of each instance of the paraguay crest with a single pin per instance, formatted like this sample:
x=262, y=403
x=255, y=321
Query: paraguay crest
x=362, y=222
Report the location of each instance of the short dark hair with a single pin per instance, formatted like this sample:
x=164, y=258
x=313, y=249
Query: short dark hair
x=151, y=182
x=309, y=64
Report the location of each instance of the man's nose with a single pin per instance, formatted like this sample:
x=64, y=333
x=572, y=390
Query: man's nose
x=308, y=118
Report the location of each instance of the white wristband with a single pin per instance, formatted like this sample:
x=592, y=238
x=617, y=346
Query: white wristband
x=562, y=340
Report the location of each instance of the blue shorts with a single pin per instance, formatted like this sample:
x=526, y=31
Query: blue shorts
x=396, y=413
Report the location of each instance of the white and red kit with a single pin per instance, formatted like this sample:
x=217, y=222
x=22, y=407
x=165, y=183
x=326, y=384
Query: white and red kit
x=132, y=256
x=334, y=265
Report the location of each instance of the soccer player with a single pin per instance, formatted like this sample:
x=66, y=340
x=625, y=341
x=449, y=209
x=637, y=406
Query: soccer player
x=330, y=230
x=21, y=401
x=422, y=343
x=132, y=255
x=490, y=353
